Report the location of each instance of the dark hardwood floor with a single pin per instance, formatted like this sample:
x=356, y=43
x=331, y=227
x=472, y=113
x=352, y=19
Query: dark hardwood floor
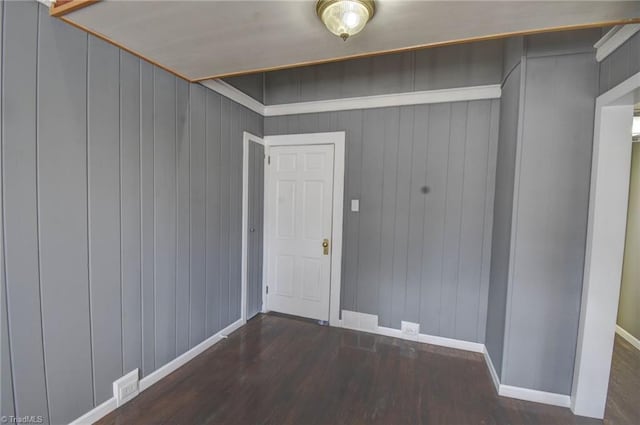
x=623, y=400
x=279, y=370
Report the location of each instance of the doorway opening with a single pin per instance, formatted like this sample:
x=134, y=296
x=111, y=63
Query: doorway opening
x=304, y=187
x=608, y=205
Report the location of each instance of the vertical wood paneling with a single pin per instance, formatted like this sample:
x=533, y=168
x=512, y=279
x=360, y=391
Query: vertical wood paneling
x=472, y=222
x=387, y=222
x=103, y=215
x=215, y=250
x=551, y=209
x=197, y=210
x=417, y=200
x=7, y=406
x=130, y=211
x=502, y=215
x=371, y=212
x=620, y=65
x=62, y=199
x=183, y=147
x=453, y=218
x=437, y=166
x=490, y=185
x=165, y=214
x=351, y=121
x=20, y=214
x=235, y=210
x=423, y=175
x=103, y=146
x=225, y=214
x=147, y=217
x=400, y=237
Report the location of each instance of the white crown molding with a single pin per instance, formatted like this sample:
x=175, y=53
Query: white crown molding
x=459, y=94
x=614, y=39
x=386, y=100
x=627, y=336
x=234, y=94
x=110, y=405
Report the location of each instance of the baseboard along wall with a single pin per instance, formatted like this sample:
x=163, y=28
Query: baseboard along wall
x=110, y=405
x=359, y=322
x=369, y=323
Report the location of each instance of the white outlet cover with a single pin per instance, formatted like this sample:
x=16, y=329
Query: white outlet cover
x=355, y=205
x=410, y=330
x=126, y=388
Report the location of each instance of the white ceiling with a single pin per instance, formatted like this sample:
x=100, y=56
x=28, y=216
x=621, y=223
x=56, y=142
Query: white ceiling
x=201, y=39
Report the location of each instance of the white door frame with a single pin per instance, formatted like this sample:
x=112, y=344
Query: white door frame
x=246, y=138
x=337, y=139
x=608, y=204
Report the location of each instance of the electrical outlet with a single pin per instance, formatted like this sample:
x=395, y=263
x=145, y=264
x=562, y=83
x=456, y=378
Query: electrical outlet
x=410, y=330
x=126, y=388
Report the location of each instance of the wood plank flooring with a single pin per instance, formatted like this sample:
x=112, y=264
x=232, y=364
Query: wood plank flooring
x=280, y=370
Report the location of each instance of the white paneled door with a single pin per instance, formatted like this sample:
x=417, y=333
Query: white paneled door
x=299, y=208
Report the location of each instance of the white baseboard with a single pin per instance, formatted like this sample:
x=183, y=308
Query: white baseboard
x=544, y=397
x=627, y=336
x=492, y=370
x=521, y=393
x=174, y=364
x=475, y=347
x=97, y=413
x=110, y=405
x=363, y=322
x=352, y=319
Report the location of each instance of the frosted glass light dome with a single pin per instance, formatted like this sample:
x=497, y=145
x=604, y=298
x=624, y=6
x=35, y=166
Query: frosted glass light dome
x=345, y=18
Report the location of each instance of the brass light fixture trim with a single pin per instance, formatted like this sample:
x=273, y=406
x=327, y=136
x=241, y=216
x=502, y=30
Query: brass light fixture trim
x=345, y=18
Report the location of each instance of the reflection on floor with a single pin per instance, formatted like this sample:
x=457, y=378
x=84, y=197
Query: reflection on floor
x=279, y=370
x=623, y=400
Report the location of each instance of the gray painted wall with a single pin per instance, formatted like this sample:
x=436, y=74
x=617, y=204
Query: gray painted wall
x=628, y=310
x=408, y=255
x=256, y=229
x=121, y=215
x=503, y=204
x=621, y=64
x=461, y=65
x=252, y=84
x=550, y=204
x=6, y=384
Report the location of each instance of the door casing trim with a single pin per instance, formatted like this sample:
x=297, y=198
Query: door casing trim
x=246, y=139
x=337, y=139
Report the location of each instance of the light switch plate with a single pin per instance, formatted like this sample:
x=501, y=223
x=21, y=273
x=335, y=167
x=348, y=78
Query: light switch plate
x=355, y=205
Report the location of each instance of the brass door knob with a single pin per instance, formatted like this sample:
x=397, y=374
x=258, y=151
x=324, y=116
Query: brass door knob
x=325, y=246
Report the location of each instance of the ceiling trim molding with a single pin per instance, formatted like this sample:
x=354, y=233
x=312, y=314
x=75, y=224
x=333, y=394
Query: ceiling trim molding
x=423, y=46
x=234, y=94
x=68, y=6
x=386, y=100
x=613, y=39
x=460, y=94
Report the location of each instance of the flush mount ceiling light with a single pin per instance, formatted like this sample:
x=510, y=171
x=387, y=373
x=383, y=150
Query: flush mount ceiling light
x=345, y=18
